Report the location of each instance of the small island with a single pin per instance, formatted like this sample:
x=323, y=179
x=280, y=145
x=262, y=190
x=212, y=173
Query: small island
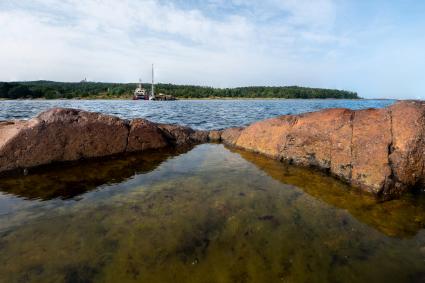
x=100, y=90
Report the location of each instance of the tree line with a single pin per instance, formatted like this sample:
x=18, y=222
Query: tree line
x=59, y=90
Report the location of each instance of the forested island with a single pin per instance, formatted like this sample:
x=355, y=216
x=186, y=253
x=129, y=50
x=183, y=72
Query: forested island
x=94, y=90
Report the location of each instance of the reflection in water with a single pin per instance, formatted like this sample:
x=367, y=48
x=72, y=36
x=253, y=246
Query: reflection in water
x=400, y=217
x=211, y=215
x=69, y=180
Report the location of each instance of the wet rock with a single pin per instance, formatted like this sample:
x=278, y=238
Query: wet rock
x=407, y=150
x=231, y=135
x=378, y=150
x=69, y=134
x=214, y=136
x=268, y=137
x=145, y=135
x=199, y=137
x=180, y=135
x=371, y=139
x=311, y=140
x=60, y=135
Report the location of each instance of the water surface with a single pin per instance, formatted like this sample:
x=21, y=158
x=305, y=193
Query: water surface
x=207, y=214
x=199, y=114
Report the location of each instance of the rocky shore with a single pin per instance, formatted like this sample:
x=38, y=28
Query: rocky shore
x=59, y=135
x=378, y=150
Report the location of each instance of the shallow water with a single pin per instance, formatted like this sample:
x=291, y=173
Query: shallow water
x=207, y=214
x=199, y=114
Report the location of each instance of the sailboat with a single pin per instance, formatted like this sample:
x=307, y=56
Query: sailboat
x=141, y=94
x=152, y=94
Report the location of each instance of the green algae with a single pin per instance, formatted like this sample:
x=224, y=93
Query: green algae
x=208, y=215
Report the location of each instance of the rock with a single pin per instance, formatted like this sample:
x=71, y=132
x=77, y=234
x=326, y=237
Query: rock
x=60, y=135
x=214, y=136
x=181, y=136
x=378, y=150
x=341, y=144
x=145, y=135
x=370, y=144
x=197, y=137
x=68, y=134
x=231, y=135
x=407, y=149
x=268, y=137
x=309, y=140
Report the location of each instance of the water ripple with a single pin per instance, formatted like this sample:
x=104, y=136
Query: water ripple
x=199, y=114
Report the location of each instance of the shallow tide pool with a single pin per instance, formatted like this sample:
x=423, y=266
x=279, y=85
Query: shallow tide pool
x=203, y=214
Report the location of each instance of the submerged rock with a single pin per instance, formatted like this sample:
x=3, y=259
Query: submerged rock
x=378, y=150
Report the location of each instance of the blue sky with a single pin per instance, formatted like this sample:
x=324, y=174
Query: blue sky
x=374, y=47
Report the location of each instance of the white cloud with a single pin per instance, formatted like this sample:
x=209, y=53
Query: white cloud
x=218, y=42
x=109, y=40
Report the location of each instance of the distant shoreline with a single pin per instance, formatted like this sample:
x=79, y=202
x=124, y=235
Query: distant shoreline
x=95, y=90
x=218, y=98
x=215, y=98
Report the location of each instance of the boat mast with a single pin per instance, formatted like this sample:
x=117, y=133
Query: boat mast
x=153, y=87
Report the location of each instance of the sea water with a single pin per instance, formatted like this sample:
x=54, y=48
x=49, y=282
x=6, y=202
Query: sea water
x=203, y=214
x=198, y=114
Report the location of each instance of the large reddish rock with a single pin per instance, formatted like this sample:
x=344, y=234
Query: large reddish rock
x=370, y=143
x=310, y=139
x=341, y=144
x=378, y=150
x=268, y=137
x=68, y=134
x=60, y=135
x=145, y=135
x=231, y=135
x=407, y=150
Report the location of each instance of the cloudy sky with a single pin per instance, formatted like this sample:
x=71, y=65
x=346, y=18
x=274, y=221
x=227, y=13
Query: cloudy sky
x=374, y=47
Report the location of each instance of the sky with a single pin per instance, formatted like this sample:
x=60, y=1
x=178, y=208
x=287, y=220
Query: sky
x=373, y=47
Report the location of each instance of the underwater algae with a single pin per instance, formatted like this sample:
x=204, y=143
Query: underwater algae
x=207, y=215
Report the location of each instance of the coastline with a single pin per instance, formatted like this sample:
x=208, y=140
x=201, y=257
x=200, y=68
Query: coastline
x=335, y=140
x=185, y=99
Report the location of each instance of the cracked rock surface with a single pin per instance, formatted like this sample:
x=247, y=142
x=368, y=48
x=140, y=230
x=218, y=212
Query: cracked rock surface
x=378, y=150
